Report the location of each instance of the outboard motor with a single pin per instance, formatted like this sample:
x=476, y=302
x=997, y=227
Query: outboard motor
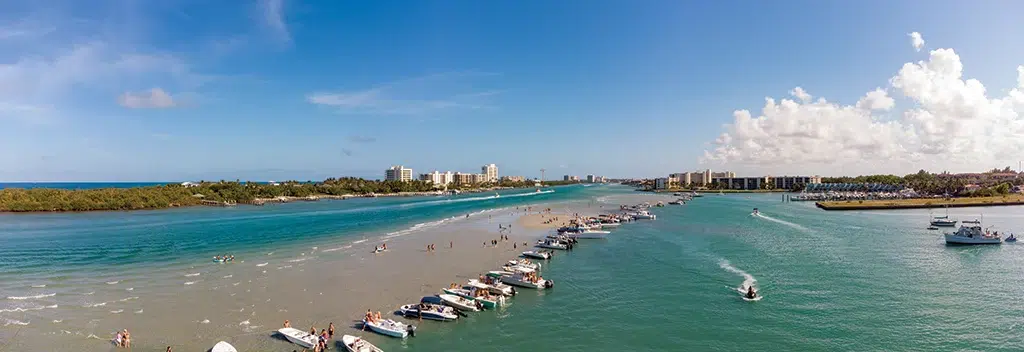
x=411, y=329
x=549, y=284
x=513, y=290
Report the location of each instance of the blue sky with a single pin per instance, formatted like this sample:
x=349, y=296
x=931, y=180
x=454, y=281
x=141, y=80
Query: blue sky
x=282, y=89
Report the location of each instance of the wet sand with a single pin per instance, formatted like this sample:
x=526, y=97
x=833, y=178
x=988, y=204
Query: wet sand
x=246, y=301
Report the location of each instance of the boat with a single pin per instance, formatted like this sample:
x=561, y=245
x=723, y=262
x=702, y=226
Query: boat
x=537, y=254
x=643, y=215
x=677, y=194
x=527, y=281
x=1012, y=238
x=970, y=232
x=357, y=344
x=429, y=311
x=460, y=302
x=496, y=195
x=551, y=244
x=932, y=228
x=477, y=294
x=223, y=259
x=944, y=220
x=299, y=337
x=676, y=202
x=695, y=194
x=389, y=327
x=608, y=224
x=495, y=287
x=223, y=347
x=756, y=212
x=524, y=263
x=518, y=269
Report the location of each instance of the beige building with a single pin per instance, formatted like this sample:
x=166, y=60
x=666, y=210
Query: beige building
x=398, y=173
x=490, y=172
x=698, y=178
x=513, y=178
x=463, y=178
x=437, y=177
x=481, y=178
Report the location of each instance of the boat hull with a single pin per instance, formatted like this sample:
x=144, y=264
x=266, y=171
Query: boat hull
x=413, y=311
x=487, y=303
x=961, y=240
x=388, y=328
x=459, y=302
x=223, y=347
x=298, y=337
x=536, y=255
x=357, y=344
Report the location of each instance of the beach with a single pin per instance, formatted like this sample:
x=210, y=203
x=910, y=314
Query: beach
x=244, y=301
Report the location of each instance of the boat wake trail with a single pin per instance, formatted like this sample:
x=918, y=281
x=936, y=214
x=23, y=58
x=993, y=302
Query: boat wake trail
x=748, y=280
x=784, y=222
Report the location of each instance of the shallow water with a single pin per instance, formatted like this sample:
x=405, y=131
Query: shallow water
x=863, y=281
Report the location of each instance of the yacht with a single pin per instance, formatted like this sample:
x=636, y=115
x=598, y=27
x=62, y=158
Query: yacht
x=643, y=215
x=970, y=232
x=943, y=221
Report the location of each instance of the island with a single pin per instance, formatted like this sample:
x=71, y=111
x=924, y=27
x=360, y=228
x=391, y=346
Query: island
x=226, y=193
x=922, y=203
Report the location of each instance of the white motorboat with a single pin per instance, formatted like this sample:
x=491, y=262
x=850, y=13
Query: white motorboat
x=970, y=232
x=524, y=263
x=551, y=245
x=496, y=287
x=388, y=327
x=643, y=215
x=481, y=295
x=429, y=311
x=299, y=337
x=223, y=347
x=609, y=225
x=459, y=302
x=527, y=281
x=357, y=344
x=537, y=254
x=518, y=269
x=591, y=234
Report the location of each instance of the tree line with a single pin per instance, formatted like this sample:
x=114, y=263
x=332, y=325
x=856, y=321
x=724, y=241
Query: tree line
x=174, y=195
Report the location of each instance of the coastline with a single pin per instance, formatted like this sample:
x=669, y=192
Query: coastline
x=296, y=286
x=921, y=203
x=259, y=201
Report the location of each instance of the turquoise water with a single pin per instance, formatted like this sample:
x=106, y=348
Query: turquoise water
x=831, y=281
x=860, y=281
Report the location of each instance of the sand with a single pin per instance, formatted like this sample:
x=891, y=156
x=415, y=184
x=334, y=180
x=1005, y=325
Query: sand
x=311, y=289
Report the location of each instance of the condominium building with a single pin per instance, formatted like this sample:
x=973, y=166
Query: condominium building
x=463, y=178
x=699, y=178
x=566, y=178
x=481, y=178
x=763, y=182
x=513, y=178
x=437, y=177
x=490, y=171
x=590, y=178
x=398, y=173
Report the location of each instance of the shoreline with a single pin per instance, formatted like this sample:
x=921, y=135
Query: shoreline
x=920, y=203
x=263, y=201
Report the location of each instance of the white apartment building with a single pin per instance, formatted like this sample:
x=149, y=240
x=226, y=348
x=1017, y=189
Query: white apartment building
x=398, y=173
x=490, y=172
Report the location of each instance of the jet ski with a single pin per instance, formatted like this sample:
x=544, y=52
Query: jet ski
x=1012, y=238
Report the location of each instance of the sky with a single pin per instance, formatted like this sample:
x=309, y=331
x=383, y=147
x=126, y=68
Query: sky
x=173, y=90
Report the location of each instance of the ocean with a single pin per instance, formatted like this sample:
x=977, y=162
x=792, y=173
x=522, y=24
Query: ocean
x=851, y=281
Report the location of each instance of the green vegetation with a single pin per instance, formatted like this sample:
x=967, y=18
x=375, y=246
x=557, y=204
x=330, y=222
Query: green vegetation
x=223, y=192
x=942, y=183
x=1010, y=199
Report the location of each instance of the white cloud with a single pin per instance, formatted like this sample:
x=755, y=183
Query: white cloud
x=953, y=124
x=411, y=96
x=273, y=16
x=153, y=98
x=799, y=93
x=916, y=40
x=877, y=99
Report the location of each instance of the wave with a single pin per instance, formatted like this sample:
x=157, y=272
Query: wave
x=112, y=282
x=228, y=276
x=21, y=298
x=130, y=289
x=748, y=280
x=784, y=222
x=263, y=264
x=204, y=321
x=244, y=323
x=14, y=322
x=296, y=260
x=431, y=224
x=128, y=299
x=284, y=267
x=94, y=305
x=117, y=311
x=58, y=321
x=138, y=311
x=39, y=286
x=473, y=199
x=89, y=293
x=20, y=310
x=336, y=249
x=192, y=275
x=190, y=282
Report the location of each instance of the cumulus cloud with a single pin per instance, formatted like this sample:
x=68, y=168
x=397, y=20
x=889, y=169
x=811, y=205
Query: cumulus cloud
x=953, y=123
x=916, y=40
x=153, y=98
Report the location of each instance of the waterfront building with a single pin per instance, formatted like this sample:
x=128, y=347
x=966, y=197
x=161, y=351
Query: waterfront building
x=763, y=182
x=481, y=178
x=566, y=178
x=398, y=173
x=490, y=172
x=590, y=178
x=437, y=177
x=463, y=178
x=513, y=178
x=662, y=183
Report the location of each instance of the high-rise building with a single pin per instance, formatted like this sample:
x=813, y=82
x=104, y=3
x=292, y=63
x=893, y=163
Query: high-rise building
x=463, y=178
x=491, y=172
x=398, y=173
x=481, y=178
x=590, y=178
x=566, y=178
x=447, y=177
x=437, y=177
